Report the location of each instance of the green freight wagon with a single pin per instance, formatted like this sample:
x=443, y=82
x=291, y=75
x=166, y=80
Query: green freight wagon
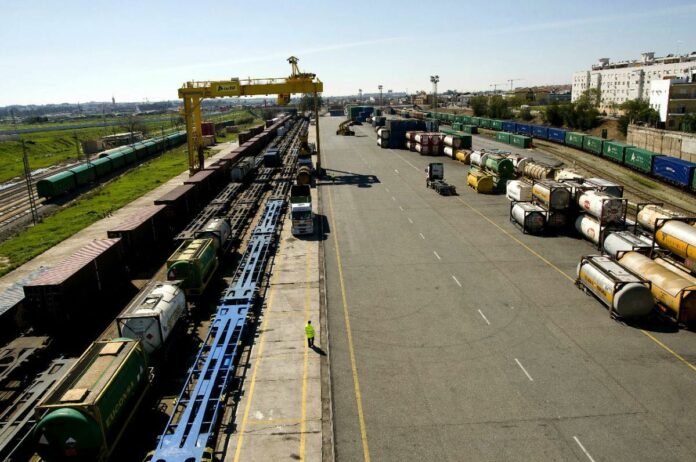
x=640, y=159
x=485, y=123
x=56, y=185
x=472, y=129
x=84, y=173
x=118, y=159
x=574, y=139
x=102, y=166
x=503, y=137
x=496, y=124
x=476, y=121
x=458, y=119
x=592, y=144
x=615, y=151
x=521, y=141
x=87, y=410
x=130, y=155
x=193, y=263
x=467, y=119
x=456, y=126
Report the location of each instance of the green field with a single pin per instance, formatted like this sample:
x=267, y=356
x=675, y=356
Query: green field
x=49, y=148
x=94, y=206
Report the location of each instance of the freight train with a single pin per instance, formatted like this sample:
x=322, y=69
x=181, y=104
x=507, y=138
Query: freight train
x=668, y=169
x=83, y=417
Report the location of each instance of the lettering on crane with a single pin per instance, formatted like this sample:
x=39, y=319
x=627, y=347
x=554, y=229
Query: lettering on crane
x=228, y=87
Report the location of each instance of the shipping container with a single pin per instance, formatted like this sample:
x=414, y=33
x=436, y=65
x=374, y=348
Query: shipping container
x=471, y=129
x=539, y=131
x=496, y=124
x=503, y=137
x=574, y=139
x=485, y=123
x=57, y=184
x=614, y=150
x=476, y=121
x=85, y=413
x=523, y=129
x=592, y=144
x=508, y=126
x=640, y=159
x=521, y=141
x=676, y=171
x=84, y=173
x=557, y=134
x=194, y=264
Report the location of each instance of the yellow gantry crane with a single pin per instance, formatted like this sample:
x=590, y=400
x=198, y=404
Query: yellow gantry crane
x=194, y=92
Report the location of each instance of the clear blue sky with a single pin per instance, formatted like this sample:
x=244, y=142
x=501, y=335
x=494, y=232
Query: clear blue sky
x=87, y=50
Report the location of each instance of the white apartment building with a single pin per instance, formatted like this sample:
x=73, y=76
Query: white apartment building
x=626, y=80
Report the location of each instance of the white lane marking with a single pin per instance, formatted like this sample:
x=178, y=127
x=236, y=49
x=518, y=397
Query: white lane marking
x=410, y=221
x=409, y=163
x=397, y=172
x=393, y=198
x=583, y=448
x=484, y=317
x=457, y=281
x=524, y=370
x=438, y=257
x=401, y=208
x=421, y=235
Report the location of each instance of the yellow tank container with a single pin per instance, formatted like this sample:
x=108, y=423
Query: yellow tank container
x=480, y=182
x=462, y=156
x=672, y=290
x=678, y=237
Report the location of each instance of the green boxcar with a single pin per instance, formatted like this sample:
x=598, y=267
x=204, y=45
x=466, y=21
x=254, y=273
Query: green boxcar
x=456, y=126
x=592, y=144
x=614, y=150
x=467, y=119
x=521, y=141
x=56, y=185
x=129, y=154
x=496, y=124
x=86, y=411
x=118, y=159
x=640, y=159
x=472, y=129
x=574, y=139
x=84, y=173
x=102, y=166
x=476, y=121
x=503, y=137
x=485, y=123
x=193, y=263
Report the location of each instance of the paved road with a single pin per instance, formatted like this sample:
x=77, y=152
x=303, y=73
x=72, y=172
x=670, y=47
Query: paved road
x=455, y=337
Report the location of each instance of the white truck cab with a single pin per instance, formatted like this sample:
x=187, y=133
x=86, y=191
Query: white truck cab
x=301, y=213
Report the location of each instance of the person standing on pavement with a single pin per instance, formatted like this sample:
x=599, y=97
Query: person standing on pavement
x=309, y=330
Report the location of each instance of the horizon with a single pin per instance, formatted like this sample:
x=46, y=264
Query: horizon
x=136, y=52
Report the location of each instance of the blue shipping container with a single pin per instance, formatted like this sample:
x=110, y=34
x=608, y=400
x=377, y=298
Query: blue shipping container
x=524, y=129
x=674, y=170
x=556, y=134
x=540, y=132
x=509, y=126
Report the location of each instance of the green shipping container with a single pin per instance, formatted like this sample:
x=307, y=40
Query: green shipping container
x=467, y=119
x=88, y=408
x=472, y=129
x=640, y=159
x=496, y=124
x=485, y=123
x=118, y=159
x=84, y=173
x=193, y=263
x=503, y=137
x=521, y=141
x=592, y=144
x=615, y=151
x=102, y=166
x=130, y=155
x=476, y=121
x=466, y=141
x=456, y=126
x=56, y=185
x=574, y=139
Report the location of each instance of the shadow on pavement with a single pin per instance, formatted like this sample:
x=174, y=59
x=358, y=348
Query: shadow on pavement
x=339, y=177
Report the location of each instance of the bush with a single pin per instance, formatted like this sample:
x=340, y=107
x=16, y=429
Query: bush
x=637, y=111
x=526, y=114
x=479, y=104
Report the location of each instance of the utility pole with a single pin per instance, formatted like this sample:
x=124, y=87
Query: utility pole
x=380, y=94
x=30, y=186
x=435, y=79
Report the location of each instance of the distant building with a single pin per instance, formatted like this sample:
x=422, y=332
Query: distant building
x=673, y=98
x=627, y=80
x=120, y=139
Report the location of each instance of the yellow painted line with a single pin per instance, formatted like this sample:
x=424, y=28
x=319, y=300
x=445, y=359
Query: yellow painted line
x=274, y=422
x=349, y=334
x=303, y=419
x=252, y=385
x=674, y=353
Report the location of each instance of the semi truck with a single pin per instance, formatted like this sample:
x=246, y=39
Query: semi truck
x=301, y=210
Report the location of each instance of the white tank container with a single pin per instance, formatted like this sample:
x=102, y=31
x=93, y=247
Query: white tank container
x=625, y=293
x=565, y=174
x=383, y=133
x=478, y=158
x=424, y=149
x=608, y=208
x=449, y=151
x=452, y=141
x=625, y=241
x=152, y=315
x=650, y=213
x=217, y=229
x=423, y=138
x=678, y=237
x=530, y=216
x=552, y=194
x=589, y=227
x=517, y=190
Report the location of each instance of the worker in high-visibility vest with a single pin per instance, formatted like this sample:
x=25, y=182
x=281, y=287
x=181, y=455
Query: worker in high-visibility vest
x=309, y=330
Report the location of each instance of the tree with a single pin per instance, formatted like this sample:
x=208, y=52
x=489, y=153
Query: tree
x=635, y=111
x=306, y=102
x=688, y=123
x=498, y=108
x=479, y=104
x=553, y=114
x=526, y=114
